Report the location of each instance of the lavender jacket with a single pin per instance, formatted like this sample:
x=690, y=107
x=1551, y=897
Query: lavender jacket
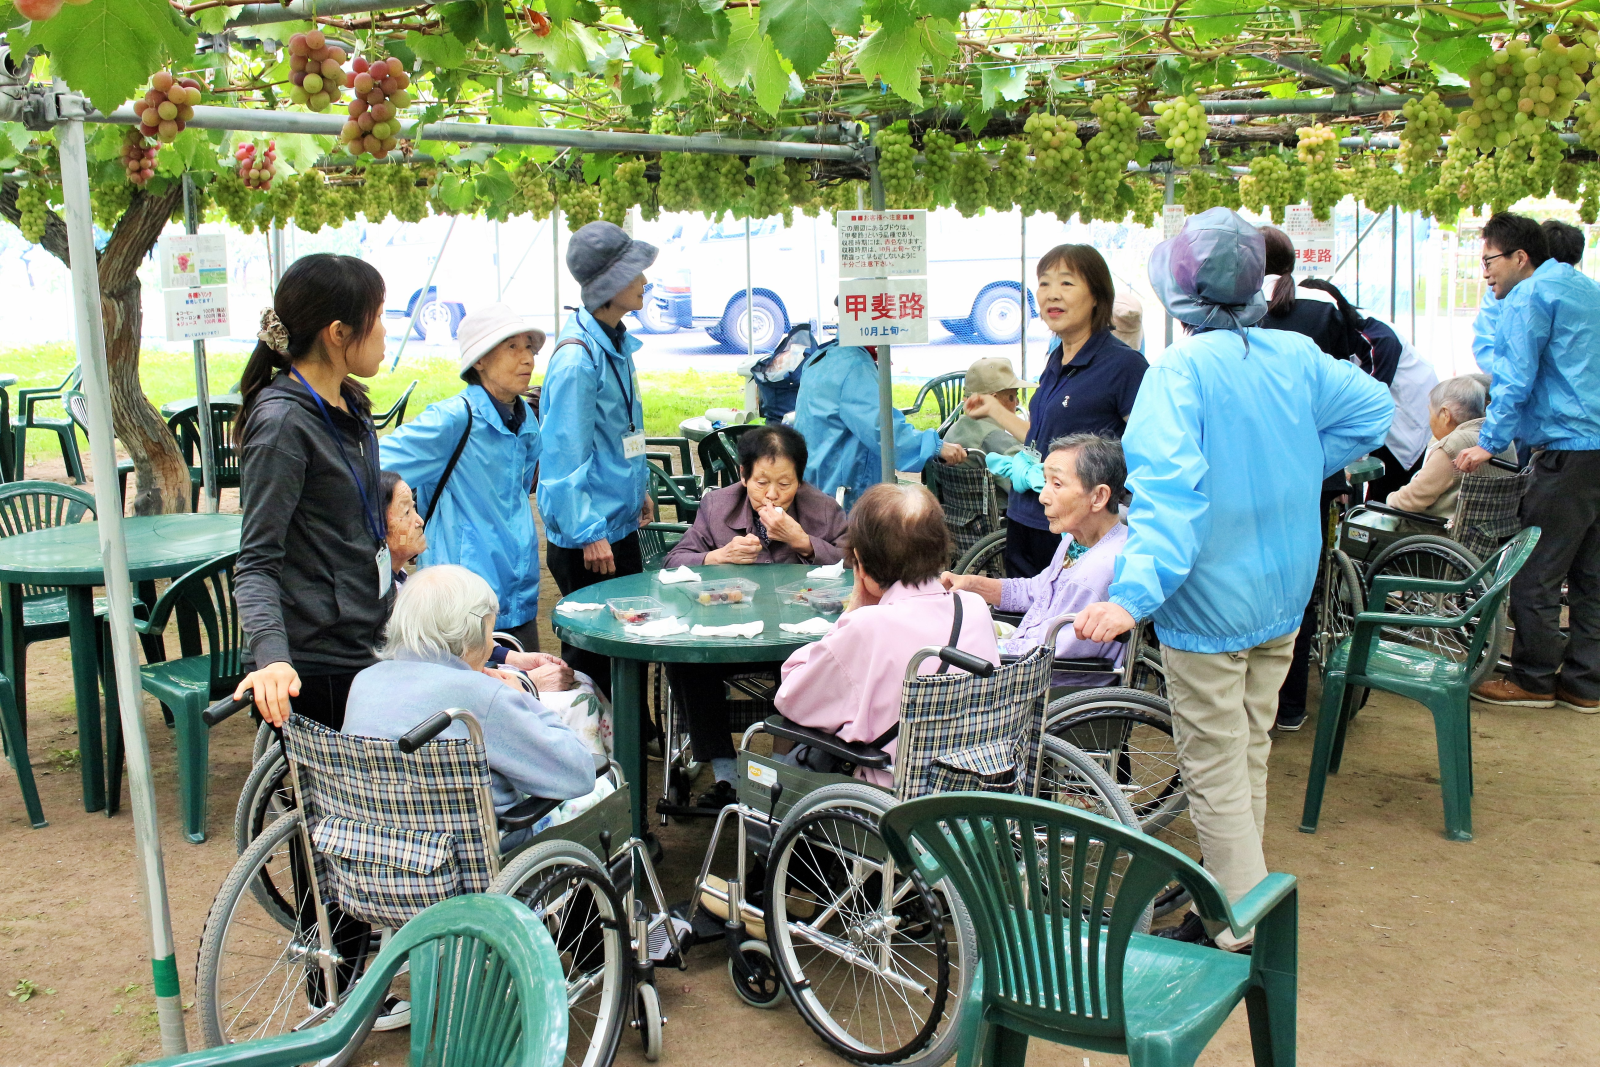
x=726, y=513
x=1061, y=590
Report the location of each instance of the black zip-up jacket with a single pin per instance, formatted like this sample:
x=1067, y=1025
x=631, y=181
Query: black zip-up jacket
x=306, y=582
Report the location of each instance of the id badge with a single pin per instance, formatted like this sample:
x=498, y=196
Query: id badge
x=385, y=571
x=632, y=445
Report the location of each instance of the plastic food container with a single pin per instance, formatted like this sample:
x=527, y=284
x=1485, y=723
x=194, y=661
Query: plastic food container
x=636, y=609
x=720, y=591
x=795, y=592
x=827, y=601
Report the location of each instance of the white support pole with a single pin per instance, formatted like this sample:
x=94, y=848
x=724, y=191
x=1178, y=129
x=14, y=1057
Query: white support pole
x=422, y=296
x=885, y=366
x=1022, y=283
x=275, y=254
x=1450, y=250
x=1167, y=197
x=555, y=267
x=749, y=297
x=119, y=589
x=499, y=286
x=209, y=491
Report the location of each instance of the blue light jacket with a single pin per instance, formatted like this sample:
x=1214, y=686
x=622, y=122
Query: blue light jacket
x=1547, y=364
x=1226, y=456
x=837, y=413
x=587, y=491
x=483, y=521
x=1483, y=328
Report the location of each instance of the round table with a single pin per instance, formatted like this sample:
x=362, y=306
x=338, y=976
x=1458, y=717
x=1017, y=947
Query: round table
x=600, y=632
x=159, y=546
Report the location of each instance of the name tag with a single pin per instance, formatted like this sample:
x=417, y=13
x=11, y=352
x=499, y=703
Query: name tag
x=632, y=445
x=385, y=571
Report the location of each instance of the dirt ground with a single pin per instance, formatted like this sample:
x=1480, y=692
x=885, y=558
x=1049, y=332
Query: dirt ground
x=1413, y=949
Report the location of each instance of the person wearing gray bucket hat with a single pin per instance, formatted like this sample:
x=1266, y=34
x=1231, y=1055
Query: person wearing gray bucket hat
x=1227, y=445
x=594, y=478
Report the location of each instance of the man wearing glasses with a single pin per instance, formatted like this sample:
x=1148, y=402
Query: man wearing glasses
x=1546, y=392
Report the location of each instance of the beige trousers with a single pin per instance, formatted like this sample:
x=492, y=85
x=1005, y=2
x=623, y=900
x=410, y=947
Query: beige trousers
x=1223, y=704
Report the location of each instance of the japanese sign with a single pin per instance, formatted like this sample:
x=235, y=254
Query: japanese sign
x=878, y=244
x=1313, y=241
x=1172, y=219
x=192, y=260
x=883, y=311
x=196, y=314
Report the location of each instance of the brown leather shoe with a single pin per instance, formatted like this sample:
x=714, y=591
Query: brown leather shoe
x=1505, y=691
x=1578, y=704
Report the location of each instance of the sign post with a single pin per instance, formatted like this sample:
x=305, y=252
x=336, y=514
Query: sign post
x=883, y=293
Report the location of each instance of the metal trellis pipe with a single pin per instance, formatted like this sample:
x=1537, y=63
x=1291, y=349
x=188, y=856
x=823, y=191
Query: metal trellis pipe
x=885, y=364
x=209, y=490
x=266, y=14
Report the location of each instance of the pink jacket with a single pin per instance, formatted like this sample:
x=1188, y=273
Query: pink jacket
x=849, y=682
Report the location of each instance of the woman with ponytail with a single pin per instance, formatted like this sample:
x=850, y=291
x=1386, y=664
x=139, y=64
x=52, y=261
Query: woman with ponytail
x=313, y=582
x=1309, y=313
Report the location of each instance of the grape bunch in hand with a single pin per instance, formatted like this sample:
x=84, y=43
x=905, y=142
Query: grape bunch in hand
x=379, y=86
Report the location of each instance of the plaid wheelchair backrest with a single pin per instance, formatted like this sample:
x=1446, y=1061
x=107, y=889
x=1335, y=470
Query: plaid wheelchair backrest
x=1487, y=506
x=393, y=833
x=959, y=731
x=966, y=493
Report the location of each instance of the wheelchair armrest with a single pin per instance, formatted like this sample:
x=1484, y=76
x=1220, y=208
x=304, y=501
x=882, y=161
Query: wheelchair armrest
x=856, y=752
x=1081, y=666
x=1415, y=516
x=525, y=812
x=1013, y=617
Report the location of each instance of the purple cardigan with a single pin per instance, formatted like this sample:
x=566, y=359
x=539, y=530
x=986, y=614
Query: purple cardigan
x=726, y=513
x=1059, y=590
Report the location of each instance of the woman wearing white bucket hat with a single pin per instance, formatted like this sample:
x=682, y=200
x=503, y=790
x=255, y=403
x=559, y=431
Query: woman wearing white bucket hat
x=470, y=461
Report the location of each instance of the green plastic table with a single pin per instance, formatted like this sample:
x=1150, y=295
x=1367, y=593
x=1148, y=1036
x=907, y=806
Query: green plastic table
x=173, y=407
x=600, y=632
x=159, y=546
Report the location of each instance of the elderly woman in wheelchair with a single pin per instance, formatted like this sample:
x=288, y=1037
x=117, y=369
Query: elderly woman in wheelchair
x=1083, y=484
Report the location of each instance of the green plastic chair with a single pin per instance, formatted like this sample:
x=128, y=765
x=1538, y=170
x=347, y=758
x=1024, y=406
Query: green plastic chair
x=667, y=494
x=948, y=391
x=15, y=735
x=185, y=426
x=656, y=539
x=487, y=990
x=719, y=455
x=202, y=598
x=396, y=415
x=1365, y=661
x=78, y=409
x=675, y=456
x=25, y=507
x=1076, y=973
x=29, y=419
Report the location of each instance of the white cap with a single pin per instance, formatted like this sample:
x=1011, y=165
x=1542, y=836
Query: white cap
x=486, y=327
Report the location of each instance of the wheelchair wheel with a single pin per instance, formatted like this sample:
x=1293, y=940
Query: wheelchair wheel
x=1342, y=598
x=265, y=797
x=264, y=740
x=765, y=989
x=649, y=1021
x=256, y=976
x=1128, y=733
x=1068, y=775
x=567, y=888
x=986, y=557
x=1427, y=556
x=877, y=962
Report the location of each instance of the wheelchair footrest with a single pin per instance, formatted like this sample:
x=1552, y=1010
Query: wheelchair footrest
x=704, y=929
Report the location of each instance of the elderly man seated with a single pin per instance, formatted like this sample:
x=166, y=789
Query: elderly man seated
x=433, y=658
x=849, y=682
x=1083, y=483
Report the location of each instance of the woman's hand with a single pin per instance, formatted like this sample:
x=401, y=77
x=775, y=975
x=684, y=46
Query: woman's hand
x=597, y=557
x=647, y=512
x=1470, y=459
x=506, y=678
x=274, y=685
x=1102, y=622
x=742, y=549
x=988, y=588
x=982, y=405
x=782, y=526
x=532, y=661
x=952, y=453
x=553, y=678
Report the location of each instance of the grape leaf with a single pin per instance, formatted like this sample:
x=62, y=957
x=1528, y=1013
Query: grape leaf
x=750, y=54
x=1454, y=54
x=806, y=28
x=1210, y=19
x=212, y=19
x=442, y=49
x=1379, y=55
x=1010, y=83
x=894, y=53
x=582, y=10
x=684, y=20
x=107, y=49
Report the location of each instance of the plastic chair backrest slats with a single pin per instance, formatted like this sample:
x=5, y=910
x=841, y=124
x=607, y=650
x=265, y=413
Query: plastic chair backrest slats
x=208, y=591
x=29, y=506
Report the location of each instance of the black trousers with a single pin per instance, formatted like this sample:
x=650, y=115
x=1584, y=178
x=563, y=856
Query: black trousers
x=566, y=567
x=1563, y=500
x=527, y=634
x=702, y=691
x=322, y=698
x=1028, y=551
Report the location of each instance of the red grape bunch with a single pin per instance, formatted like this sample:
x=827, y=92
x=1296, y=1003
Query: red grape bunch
x=380, y=95
x=166, y=106
x=315, y=70
x=138, y=156
x=257, y=171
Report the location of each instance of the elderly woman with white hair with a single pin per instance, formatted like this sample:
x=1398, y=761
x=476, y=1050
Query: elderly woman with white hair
x=433, y=658
x=1456, y=408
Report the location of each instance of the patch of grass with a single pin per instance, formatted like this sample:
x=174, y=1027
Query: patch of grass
x=26, y=990
x=64, y=759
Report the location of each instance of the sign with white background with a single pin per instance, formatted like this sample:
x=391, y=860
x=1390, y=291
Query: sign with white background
x=197, y=314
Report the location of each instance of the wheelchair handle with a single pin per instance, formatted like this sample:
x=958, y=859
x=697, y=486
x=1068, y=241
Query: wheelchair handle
x=420, y=735
x=966, y=661
x=227, y=707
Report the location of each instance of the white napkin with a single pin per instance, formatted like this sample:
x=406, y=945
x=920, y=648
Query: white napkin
x=810, y=626
x=832, y=570
x=682, y=574
x=578, y=606
x=657, y=628
x=741, y=629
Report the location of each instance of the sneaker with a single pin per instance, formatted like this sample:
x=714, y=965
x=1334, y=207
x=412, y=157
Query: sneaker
x=718, y=796
x=394, y=1015
x=1505, y=691
x=1289, y=720
x=1578, y=704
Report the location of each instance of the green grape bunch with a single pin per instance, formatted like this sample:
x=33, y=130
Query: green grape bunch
x=1523, y=87
x=768, y=195
x=1201, y=192
x=937, y=166
x=34, y=207
x=1270, y=186
x=1318, y=150
x=683, y=176
x=969, y=181
x=581, y=203
x=1109, y=151
x=1181, y=122
x=897, y=168
x=1057, y=164
x=622, y=189
x=1009, y=183
x=1427, y=121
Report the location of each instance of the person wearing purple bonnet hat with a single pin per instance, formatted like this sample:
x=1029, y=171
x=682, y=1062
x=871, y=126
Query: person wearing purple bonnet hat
x=1233, y=431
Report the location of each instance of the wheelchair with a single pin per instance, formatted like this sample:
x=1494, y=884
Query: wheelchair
x=374, y=831
x=815, y=911
x=966, y=492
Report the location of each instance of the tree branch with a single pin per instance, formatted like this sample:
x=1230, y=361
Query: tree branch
x=135, y=234
x=55, y=228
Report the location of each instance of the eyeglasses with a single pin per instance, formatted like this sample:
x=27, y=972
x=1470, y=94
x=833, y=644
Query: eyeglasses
x=1489, y=259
